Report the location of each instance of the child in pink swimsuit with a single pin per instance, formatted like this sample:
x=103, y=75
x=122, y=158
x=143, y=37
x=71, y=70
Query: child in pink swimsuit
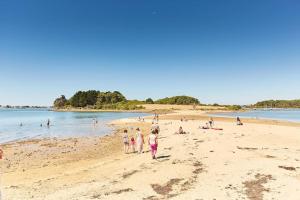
x=153, y=143
x=132, y=143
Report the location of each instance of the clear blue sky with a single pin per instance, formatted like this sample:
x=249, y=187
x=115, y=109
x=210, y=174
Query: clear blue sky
x=231, y=52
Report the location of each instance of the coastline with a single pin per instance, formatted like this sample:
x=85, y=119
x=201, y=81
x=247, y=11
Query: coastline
x=148, y=108
x=96, y=167
x=97, y=110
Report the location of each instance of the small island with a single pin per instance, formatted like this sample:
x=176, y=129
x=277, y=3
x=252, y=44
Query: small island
x=97, y=100
x=278, y=104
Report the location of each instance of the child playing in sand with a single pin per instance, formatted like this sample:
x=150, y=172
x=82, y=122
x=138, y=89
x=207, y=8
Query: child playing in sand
x=153, y=143
x=125, y=141
x=205, y=127
x=180, y=131
x=132, y=144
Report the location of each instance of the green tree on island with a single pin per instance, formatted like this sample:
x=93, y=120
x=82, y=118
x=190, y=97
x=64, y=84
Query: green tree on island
x=115, y=101
x=149, y=101
x=179, y=100
x=278, y=104
x=60, y=102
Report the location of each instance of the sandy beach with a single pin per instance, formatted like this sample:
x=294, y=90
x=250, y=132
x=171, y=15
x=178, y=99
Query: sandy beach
x=259, y=160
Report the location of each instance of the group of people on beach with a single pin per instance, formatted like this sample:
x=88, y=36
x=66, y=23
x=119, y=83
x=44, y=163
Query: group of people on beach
x=210, y=124
x=136, y=144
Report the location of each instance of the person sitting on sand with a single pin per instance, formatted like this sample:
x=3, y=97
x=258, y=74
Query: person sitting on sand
x=180, y=131
x=153, y=143
x=132, y=144
x=125, y=141
x=205, y=127
x=238, y=121
x=139, y=141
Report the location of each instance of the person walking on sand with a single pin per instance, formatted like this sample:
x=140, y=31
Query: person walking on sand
x=125, y=141
x=153, y=143
x=139, y=141
x=1, y=154
x=154, y=127
x=132, y=144
x=211, y=122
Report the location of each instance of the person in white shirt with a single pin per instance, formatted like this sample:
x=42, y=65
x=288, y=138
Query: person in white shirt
x=139, y=141
x=125, y=141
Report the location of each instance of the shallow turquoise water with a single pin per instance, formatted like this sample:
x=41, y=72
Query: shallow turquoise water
x=292, y=115
x=62, y=124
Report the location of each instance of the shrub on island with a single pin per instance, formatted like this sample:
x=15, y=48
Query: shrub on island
x=178, y=100
x=278, y=104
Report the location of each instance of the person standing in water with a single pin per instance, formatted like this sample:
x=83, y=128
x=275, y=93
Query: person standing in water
x=153, y=143
x=48, y=123
x=139, y=141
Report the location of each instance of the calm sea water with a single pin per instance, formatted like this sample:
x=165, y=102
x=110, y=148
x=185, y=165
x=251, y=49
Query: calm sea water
x=276, y=114
x=62, y=124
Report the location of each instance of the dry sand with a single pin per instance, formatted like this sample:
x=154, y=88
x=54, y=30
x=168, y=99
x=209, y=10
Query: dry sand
x=260, y=160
